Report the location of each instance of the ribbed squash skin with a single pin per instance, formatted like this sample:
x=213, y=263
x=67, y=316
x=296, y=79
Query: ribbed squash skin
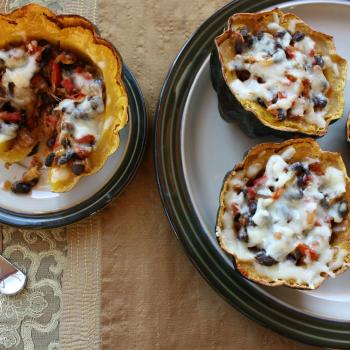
x=76, y=34
x=254, y=119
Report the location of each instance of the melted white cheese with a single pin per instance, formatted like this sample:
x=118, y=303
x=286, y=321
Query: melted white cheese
x=83, y=116
x=7, y=131
x=20, y=69
x=89, y=87
x=282, y=223
x=264, y=61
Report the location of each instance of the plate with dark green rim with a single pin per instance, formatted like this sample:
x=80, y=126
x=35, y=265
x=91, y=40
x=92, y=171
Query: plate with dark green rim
x=194, y=148
x=45, y=209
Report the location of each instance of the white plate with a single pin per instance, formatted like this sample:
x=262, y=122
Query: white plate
x=211, y=147
x=42, y=201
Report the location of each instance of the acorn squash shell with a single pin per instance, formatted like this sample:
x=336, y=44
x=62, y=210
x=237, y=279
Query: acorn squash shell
x=75, y=33
x=305, y=147
x=254, y=119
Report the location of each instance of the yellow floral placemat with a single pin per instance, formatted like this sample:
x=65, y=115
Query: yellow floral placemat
x=60, y=306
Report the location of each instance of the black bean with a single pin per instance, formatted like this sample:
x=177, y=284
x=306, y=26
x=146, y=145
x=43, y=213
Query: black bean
x=247, y=37
x=34, y=150
x=49, y=159
x=259, y=35
x=243, y=220
x=46, y=99
x=299, y=168
x=264, y=259
x=300, y=181
x=281, y=114
x=67, y=126
x=78, y=168
x=94, y=105
x=21, y=187
x=45, y=56
x=34, y=181
x=244, y=31
x=274, y=99
x=239, y=46
x=298, y=194
x=243, y=235
x=51, y=141
x=243, y=74
x=343, y=208
x=7, y=107
x=11, y=86
x=249, y=40
x=298, y=36
x=295, y=256
x=325, y=202
x=65, y=142
x=319, y=60
x=65, y=158
x=278, y=46
x=252, y=205
x=319, y=101
x=43, y=42
x=261, y=102
x=280, y=34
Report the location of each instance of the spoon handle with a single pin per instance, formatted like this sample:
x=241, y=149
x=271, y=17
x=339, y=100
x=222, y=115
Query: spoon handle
x=12, y=280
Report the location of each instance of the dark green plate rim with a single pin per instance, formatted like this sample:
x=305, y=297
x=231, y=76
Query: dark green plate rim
x=181, y=213
x=133, y=154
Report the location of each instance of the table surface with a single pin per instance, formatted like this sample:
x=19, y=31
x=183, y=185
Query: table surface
x=152, y=296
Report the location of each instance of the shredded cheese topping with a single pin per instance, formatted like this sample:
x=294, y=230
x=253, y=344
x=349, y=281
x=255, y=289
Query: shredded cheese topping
x=283, y=222
x=281, y=70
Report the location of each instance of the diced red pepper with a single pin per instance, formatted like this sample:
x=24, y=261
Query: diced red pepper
x=289, y=52
x=311, y=53
x=290, y=77
x=81, y=153
x=317, y=223
x=306, y=179
x=278, y=193
x=11, y=117
x=316, y=168
x=79, y=70
x=56, y=75
x=251, y=193
x=77, y=96
x=86, y=139
x=305, y=250
x=68, y=85
x=37, y=81
x=260, y=180
x=51, y=121
x=281, y=94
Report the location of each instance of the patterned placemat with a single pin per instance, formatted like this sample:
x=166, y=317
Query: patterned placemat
x=60, y=306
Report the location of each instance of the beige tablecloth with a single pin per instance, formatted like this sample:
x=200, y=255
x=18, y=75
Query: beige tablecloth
x=152, y=297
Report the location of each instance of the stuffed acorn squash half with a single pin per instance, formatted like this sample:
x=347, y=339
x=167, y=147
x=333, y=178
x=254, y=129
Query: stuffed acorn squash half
x=62, y=99
x=275, y=75
x=284, y=214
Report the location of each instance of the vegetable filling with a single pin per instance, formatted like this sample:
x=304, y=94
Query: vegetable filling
x=282, y=71
x=50, y=93
x=286, y=218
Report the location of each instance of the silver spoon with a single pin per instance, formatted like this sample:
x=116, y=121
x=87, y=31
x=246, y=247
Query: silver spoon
x=12, y=280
